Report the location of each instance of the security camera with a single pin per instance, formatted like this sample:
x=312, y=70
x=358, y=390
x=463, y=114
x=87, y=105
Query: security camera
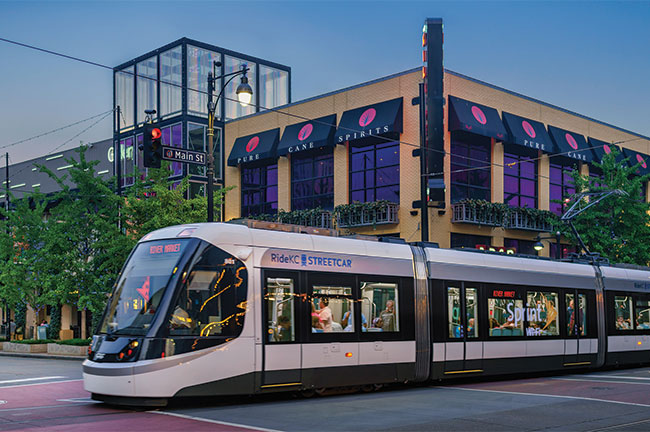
x=150, y=112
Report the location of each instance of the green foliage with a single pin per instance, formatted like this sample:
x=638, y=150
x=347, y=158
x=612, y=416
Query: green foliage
x=20, y=315
x=33, y=341
x=75, y=342
x=55, y=322
x=308, y=217
x=500, y=214
x=619, y=226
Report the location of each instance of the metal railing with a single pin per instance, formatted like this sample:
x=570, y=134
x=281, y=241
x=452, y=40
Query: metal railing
x=382, y=215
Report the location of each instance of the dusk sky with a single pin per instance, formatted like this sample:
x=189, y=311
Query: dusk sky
x=587, y=57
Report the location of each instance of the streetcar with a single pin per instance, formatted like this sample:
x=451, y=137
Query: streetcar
x=256, y=307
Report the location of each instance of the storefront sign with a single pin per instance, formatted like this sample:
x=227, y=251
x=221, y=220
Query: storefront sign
x=364, y=133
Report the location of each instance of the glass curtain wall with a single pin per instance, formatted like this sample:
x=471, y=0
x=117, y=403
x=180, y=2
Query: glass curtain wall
x=233, y=107
x=259, y=185
x=274, y=87
x=561, y=184
x=173, y=136
x=124, y=84
x=374, y=173
x=312, y=180
x=147, y=76
x=171, y=80
x=199, y=64
x=127, y=159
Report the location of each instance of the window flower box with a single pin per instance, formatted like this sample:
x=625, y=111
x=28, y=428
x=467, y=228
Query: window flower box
x=366, y=214
x=481, y=212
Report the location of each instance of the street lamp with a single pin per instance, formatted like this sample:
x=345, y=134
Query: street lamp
x=244, y=95
x=538, y=246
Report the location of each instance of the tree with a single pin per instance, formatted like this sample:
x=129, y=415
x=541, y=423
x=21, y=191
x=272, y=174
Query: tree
x=618, y=227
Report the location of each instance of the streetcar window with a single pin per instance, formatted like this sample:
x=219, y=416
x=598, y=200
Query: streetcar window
x=623, y=313
x=453, y=312
x=642, y=314
x=380, y=302
x=141, y=286
x=541, y=314
x=506, y=316
x=279, y=308
x=471, y=309
x=212, y=297
x=579, y=325
x=330, y=305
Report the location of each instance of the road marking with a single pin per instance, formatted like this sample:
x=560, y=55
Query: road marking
x=31, y=379
x=550, y=396
x=618, y=376
x=38, y=384
x=602, y=381
x=621, y=425
x=214, y=421
x=85, y=400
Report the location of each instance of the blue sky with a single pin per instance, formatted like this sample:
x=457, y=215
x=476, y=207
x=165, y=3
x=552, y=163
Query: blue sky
x=588, y=57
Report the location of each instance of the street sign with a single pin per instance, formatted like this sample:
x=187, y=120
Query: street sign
x=182, y=155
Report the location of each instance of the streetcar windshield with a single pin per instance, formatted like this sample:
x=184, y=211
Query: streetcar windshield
x=142, y=285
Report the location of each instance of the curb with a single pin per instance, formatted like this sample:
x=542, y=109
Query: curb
x=43, y=356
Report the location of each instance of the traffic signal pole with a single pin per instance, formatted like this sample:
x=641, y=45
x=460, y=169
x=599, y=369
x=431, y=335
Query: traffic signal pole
x=210, y=172
x=117, y=152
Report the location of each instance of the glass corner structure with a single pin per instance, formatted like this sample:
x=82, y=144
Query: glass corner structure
x=172, y=80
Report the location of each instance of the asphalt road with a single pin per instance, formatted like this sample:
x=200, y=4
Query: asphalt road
x=48, y=395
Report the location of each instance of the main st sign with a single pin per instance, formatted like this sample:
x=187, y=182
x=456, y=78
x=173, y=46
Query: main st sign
x=182, y=155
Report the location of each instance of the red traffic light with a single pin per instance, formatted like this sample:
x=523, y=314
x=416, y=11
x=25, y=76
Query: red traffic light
x=155, y=133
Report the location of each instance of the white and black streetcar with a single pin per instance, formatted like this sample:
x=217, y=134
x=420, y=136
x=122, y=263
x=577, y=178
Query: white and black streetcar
x=225, y=309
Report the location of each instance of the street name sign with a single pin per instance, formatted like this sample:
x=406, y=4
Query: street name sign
x=182, y=155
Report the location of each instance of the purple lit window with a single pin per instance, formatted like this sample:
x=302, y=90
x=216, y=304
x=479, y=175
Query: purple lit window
x=469, y=241
x=312, y=180
x=470, y=167
x=374, y=173
x=561, y=184
x=519, y=181
x=520, y=246
x=173, y=136
x=259, y=186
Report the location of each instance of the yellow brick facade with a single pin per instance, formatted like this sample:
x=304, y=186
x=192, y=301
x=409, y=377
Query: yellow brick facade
x=406, y=86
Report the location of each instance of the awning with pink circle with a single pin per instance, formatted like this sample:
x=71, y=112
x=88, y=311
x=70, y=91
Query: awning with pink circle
x=601, y=148
x=475, y=118
x=255, y=148
x=570, y=145
x=638, y=159
x=528, y=133
x=376, y=123
x=308, y=135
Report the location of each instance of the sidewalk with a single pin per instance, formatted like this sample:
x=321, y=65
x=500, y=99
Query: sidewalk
x=43, y=356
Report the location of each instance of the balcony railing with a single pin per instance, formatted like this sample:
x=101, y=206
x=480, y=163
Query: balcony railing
x=520, y=219
x=479, y=212
x=318, y=219
x=465, y=213
x=357, y=215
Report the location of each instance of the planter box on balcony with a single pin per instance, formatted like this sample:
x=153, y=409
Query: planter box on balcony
x=463, y=213
x=386, y=214
x=518, y=219
x=321, y=219
x=24, y=348
x=72, y=350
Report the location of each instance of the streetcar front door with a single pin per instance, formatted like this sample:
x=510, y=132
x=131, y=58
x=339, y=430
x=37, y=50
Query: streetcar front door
x=576, y=345
x=281, y=359
x=463, y=350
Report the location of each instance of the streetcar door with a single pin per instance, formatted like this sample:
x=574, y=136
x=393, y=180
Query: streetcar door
x=576, y=344
x=463, y=350
x=281, y=356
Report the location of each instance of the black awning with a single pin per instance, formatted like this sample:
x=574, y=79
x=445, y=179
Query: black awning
x=381, y=119
x=570, y=144
x=528, y=133
x=634, y=157
x=601, y=148
x=475, y=118
x=308, y=135
x=256, y=147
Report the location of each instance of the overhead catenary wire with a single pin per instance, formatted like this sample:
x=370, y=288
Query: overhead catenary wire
x=279, y=111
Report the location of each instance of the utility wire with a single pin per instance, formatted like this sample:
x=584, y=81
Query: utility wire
x=275, y=109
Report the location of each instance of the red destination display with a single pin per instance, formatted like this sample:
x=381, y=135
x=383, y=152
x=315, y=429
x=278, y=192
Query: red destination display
x=503, y=294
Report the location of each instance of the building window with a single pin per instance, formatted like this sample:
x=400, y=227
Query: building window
x=470, y=167
x=259, y=185
x=274, y=87
x=561, y=184
x=127, y=158
x=140, y=158
x=565, y=250
x=173, y=136
x=195, y=189
x=196, y=142
x=171, y=80
x=124, y=97
x=520, y=246
x=233, y=108
x=374, y=173
x=147, y=76
x=199, y=64
x=519, y=181
x=469, y=241
x=312, y=180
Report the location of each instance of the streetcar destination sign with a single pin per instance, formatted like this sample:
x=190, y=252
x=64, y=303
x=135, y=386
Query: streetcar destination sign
x=182, y=155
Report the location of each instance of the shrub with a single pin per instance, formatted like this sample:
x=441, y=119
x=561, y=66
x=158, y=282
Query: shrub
x=75, y=342
x=34, y=341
